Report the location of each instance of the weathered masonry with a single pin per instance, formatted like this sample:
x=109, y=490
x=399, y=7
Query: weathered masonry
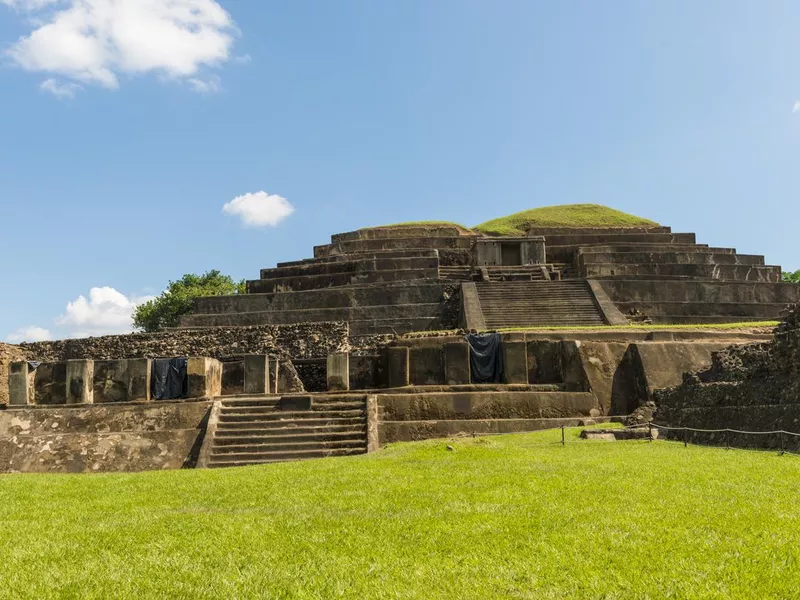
x=375, y=340
x=415, y=278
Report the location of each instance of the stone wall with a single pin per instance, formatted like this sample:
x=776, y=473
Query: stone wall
x=753, y=387
x=95, y=438
x=303, y=340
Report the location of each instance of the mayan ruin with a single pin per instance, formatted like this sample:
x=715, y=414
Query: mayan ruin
x=367, y=343
x=414, y=300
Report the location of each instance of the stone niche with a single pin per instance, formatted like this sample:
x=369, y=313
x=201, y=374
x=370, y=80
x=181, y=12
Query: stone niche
x=508, y=251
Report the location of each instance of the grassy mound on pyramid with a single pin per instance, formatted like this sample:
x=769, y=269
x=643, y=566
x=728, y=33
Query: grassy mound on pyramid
x=579, y=216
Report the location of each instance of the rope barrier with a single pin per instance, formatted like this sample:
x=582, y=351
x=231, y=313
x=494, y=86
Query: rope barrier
x=779, y=431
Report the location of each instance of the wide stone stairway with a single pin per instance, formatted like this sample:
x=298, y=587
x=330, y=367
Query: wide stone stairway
x=265, y=429
x=538, y=303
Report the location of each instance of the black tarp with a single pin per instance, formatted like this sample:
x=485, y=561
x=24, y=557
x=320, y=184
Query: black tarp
x=168, y=380
x=486, y=358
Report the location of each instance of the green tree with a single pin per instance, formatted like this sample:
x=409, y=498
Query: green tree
x=177, y=300
x=792, y=277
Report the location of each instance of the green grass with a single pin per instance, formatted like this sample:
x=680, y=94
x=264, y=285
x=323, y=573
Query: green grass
x=563, y=215
x=502, y=517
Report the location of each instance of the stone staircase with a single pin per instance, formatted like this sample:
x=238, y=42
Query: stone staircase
x=265, y=429
x=538, y=303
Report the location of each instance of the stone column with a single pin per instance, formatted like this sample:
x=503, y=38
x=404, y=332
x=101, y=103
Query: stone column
x=339, y=372
x=456, y=363
x=204, y=377
x=274, y=374
x=397, y=373
x=80, y=379
x=515, y=362
x=256, y=374
x=18, y=385
x=373, y=441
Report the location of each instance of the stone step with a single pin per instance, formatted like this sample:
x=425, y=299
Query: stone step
x=244, y=459
x=349, y=297
x=279, y=415
x=313, y=282
x=289, y=428
x=762, y=310
x=404, y=231
x=261, y=410
x=227, y=439
x=721, y=272
x=403, y=243
x=672, y=257
x=286, y=446
x=346, y=257
x=387, y=312
x=263, y=424
x=354, y=264
x=530, y=304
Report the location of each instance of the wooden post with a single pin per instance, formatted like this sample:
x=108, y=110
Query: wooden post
x=563, y=438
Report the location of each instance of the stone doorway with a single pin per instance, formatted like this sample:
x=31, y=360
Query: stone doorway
x=510, y=254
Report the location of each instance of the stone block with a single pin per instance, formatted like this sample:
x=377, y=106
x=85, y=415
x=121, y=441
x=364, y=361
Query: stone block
x=456, y=363
x=256, y=374
x=50, y=384
x=204, y=377
x=274, y=374
x=80, y=382
x=338, y=372
x=397, y=374
x=139, y=373
x=426, y=366
x=18, y=384
x=515, y=362
x=364, y=372
x=373, y=438
x=121, y=380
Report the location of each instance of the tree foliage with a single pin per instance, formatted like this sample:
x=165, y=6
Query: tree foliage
x=177, y=300
x=792, y=277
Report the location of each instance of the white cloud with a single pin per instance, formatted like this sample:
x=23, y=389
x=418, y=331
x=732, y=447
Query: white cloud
x=65, y=89
x=211, y=85
x=106, y=312
x=29, y=334
x=96, y=41
x=796, y=107
x=259, y=209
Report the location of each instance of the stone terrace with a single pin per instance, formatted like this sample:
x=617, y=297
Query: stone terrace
x=399, y=279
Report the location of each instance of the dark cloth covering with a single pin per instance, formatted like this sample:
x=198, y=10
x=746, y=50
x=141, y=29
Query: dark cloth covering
x=486, y=357
x=168, y=380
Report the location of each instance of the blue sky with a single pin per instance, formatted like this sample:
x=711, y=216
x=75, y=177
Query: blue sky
x=120, y=147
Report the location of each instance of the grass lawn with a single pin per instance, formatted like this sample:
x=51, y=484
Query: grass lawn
x=562, y=215
x=500, y=517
